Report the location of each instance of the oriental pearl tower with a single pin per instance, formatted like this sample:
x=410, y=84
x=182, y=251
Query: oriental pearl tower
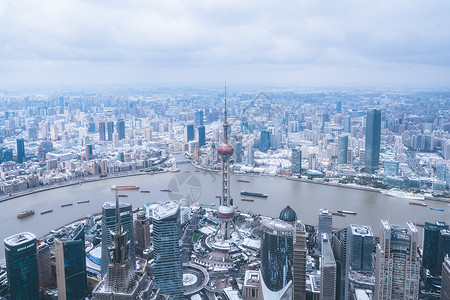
x=225, y=211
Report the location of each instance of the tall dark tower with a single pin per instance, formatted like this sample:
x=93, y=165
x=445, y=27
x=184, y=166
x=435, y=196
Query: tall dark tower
x=225, y=211
x=373, y=135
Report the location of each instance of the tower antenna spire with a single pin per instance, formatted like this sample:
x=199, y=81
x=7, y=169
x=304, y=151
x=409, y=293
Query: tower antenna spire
x=118, y=225
x=225, y=121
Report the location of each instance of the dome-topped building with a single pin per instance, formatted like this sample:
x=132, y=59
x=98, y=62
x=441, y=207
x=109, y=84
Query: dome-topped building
x=288, y=215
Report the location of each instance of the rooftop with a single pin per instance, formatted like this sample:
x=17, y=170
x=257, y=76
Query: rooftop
x=164, y=210
x=20, y=239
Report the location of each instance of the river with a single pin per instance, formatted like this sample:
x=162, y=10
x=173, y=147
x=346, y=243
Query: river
x=203, y=186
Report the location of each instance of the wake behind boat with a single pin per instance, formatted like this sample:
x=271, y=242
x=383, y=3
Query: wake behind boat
x=402, y=194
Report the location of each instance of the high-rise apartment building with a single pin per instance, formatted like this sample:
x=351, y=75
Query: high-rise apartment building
x=373, y=136
x=296, y=160
x=397, y=263
x=108, y=225
x=70, y=259
x=166, y=236
x=342, y=149
x=22, y=266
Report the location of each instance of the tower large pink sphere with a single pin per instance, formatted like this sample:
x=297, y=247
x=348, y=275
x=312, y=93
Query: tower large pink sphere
x=225, y=150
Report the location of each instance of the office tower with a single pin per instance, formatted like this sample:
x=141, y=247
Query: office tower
x=264, y=143
x=121, y=129
x=361, y=248
x=325, y=119
x=296, y=160
x=327, y=270
x=199, y=118
x=22, y=266
x=88, y=152
x=341, y=250
x=238, y=153
x=44, y=263
x=115, y=140
x=189, y=134
x=431, y=253
x=110, y=130
x=91, y=127
x=223, y=238
x=390, y=168
x=102, y=131
x=373, y=136
x=277, y=250
x=325, y=224
x=342, y=149
x=347, y=124
x=300, y=250
x=109, y=223
x=445, y=281
x=166, y=236
x=142, y=232
x=397, y=263
x=32, y=133
x=312, y=161
x=20, y=150
x=148, y=134
x=338, y=106
x=70, y=259
x=443, y=245
x=201, y=136
x=441, y=171
x=250, y=155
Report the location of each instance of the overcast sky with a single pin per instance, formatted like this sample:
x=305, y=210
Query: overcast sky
x=300, y=43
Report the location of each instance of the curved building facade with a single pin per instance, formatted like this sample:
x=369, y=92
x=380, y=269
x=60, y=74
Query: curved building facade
x=277, y=250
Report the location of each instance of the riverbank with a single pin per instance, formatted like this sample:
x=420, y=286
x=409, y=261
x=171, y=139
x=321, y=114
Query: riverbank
x=359, y=187
x=80, y=181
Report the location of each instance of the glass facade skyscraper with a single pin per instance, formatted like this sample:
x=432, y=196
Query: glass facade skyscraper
x=296, y=160
x=264, y=141
x=277, y=250
x=431, y=252
x=373, y=136
x=167, y=253
x=108, y=225
x=199, y=118
x=20, y=150
x=189, y=133
x=121, y=129
x=325, y=224
x=342, y=149
x=102, y=131
x=110, y=130
x=70, y=258
x=22, y=266
x=201, y=136
x=327, y=270
x=361, y=248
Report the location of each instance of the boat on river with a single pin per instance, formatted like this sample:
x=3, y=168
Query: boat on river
x=68, y=204
x=246, y=199
x=83, y=201
x=338, y=214
x=25, y=213
x=402, y=194
x=47, y=212
x=166, y=190
x=417, y=203
x=346, y=212
x=243, y=180
x=436, y=209
x=253, y=194
x=124, y=187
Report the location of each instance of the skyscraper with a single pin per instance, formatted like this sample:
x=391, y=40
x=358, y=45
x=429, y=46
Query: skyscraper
x=347, y=124
x=431, y=252
x=238, y=152
x=110, y=130
x=325, y=224
x=22, y=266
x=443, y=246
x=342, y=149
x=341, y=251
x=20, y=150
x=397, y=263
x=327, y=270
x=296, y=160
x=445, y=283
x=121, y=129
x=264, y=143
x=142, y=232
x=277, y=250
x=361, y=248
x=201, y=136
x=102, y=131
x=108, y=225
x=166, y=235
x=189, y=133
x=373, y=136
x=199, y=118
x=70, y=258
